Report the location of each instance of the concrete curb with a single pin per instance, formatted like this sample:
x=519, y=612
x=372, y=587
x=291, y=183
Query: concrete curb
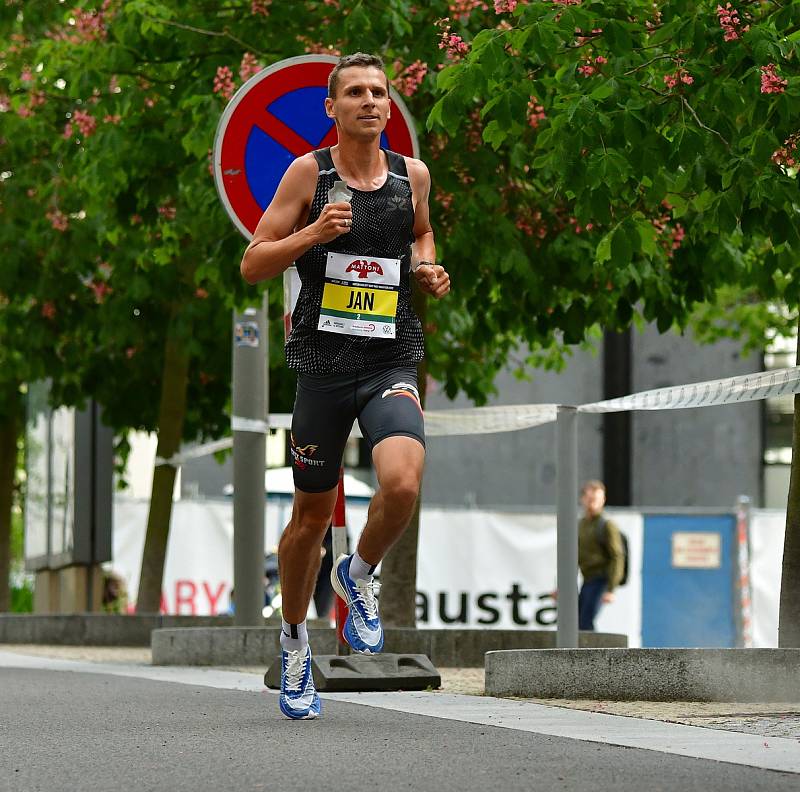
x=94, y=629
x=741, y=675
x=258, y=646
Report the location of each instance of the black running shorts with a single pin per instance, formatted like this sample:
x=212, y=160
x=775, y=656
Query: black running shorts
x=385, y=402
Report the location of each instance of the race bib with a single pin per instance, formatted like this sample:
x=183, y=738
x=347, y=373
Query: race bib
x=360, y=295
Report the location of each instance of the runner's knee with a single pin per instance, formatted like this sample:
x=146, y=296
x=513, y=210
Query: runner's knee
x=311, y=516
x=401, y=489
x=307, y=528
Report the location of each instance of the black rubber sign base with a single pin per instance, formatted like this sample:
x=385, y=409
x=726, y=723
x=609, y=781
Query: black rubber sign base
x=353, y=673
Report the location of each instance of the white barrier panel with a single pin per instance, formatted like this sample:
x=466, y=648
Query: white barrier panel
x=498, y=569
x=480, y=569
x=767, y=531
x=198, y=569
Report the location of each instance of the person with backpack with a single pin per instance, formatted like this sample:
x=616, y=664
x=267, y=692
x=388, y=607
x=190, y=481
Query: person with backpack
x=602, y=555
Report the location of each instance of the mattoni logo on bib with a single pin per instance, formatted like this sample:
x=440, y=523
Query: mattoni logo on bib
x=364, y=268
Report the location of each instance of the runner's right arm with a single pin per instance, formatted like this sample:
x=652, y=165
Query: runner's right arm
x=278, y=241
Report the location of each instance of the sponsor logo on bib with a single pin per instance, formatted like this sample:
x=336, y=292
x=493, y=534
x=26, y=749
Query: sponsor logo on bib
x=363, y=268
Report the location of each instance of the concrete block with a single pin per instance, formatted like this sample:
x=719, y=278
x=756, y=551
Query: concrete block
x=228, y=646
x=743, y=675
x=94, y=629
x=45, y=591
x=258, y=646
x=361, y=673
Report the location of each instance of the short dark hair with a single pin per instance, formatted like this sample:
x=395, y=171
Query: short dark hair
x=592, y=484
x=346, y=61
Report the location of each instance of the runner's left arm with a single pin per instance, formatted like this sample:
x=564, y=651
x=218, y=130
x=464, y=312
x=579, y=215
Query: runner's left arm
x=432, y=279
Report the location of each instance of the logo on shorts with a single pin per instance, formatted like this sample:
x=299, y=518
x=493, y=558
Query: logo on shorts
x=404, y=389
x=364, y=267
x=301, y=455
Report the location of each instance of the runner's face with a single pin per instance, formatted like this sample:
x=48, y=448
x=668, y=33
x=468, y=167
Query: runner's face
x=361, y=106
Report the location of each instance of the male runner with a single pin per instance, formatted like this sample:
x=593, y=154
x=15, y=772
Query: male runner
x=355, y=344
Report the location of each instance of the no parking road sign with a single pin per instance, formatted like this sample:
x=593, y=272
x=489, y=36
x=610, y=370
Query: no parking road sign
x=275, y=117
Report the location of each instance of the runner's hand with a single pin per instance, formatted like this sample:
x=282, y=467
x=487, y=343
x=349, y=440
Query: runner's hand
x=608, y=596
x=333, y=221
x=433, y=280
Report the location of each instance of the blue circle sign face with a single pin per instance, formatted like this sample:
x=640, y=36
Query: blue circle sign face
x=275, y=117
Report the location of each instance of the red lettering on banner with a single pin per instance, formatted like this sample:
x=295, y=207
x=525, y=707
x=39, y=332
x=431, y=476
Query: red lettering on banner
x=182, y=599
x=213, y=599
x=163, y=608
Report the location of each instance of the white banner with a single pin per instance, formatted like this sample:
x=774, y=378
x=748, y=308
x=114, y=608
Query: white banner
x=767, y=530
x=198, y=569
x=477, y=569
x=498, y=569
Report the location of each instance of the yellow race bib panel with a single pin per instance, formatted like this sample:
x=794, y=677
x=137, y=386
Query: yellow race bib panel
x=360, y=295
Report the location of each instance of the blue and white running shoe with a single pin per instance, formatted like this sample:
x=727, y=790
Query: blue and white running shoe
x=299, y=699
x=362, y=629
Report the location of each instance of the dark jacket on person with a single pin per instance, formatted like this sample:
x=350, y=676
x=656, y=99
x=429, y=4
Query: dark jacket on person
x=600, y=558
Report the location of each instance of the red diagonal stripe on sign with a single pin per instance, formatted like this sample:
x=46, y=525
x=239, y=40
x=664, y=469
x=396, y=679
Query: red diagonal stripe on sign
x=331, y=139
x=272, y=125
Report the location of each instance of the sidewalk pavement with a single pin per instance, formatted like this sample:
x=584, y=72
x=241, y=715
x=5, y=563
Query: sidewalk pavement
x=767, y=720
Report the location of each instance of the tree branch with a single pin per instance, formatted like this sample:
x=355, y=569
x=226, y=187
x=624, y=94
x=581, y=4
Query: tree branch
x=202, y=31
x=701, y=124
x=652, y=60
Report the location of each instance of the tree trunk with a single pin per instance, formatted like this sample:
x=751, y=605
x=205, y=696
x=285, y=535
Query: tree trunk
x=172, y=412
x=9, y=431
x=789, y=618
x=399, y=567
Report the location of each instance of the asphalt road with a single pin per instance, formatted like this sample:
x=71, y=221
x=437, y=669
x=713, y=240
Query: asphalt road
x=66, y=730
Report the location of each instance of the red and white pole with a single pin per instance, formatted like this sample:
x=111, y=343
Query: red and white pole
x=339, y=546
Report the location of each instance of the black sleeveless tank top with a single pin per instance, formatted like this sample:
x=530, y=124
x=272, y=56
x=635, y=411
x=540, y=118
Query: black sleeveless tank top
x=383, y=222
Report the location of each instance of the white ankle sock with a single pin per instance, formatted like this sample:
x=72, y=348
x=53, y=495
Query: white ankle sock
x=293, y=636
x=359, y=568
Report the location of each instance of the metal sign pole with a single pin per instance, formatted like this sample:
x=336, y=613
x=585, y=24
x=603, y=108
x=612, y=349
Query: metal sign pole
x=567, y=527
x=249, y=424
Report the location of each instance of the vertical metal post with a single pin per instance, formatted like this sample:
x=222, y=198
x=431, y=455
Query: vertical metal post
x=249, y=424
x=567, y=527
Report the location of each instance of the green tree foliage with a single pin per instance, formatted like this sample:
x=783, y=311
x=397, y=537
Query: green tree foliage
x=123, y=258
x=644, y=148
x=667, y=134
x=590, y=160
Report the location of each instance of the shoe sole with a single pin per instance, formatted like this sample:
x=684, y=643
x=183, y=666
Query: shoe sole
x=336, y=583
x=309, y=716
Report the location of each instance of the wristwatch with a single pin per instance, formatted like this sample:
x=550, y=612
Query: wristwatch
x=419, y=264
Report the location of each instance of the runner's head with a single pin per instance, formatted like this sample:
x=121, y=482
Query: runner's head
x=358, y=96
